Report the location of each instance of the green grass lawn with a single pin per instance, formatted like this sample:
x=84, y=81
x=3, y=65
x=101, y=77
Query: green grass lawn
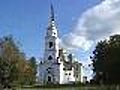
x=65, y=88
x=73, y=88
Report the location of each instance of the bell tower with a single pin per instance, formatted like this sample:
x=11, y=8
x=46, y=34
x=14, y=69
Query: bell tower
x=51, y=52
x=51, y=40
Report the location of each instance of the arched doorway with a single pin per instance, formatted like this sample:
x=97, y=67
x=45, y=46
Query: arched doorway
x=49, y=78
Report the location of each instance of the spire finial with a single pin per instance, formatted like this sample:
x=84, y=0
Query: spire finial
x=52, y=12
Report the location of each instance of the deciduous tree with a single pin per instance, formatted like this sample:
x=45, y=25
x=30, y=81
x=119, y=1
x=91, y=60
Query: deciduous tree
x=106, y=60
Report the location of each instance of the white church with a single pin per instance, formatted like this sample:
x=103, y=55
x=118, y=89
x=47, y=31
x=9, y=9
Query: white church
x=58, y=66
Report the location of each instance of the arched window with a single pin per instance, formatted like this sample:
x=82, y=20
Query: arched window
x=50, y=58
x=50, y=44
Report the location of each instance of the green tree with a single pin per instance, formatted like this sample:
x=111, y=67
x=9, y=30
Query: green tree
x=14, y=68
x=4, y=73
x=106, y=60
x=33, y=65
x=8, y=48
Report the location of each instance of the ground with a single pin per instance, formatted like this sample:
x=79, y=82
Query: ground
x=77, y=88
x=67, y=88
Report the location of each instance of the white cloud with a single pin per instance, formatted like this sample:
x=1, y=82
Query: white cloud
x=95, y=24
x=74, y=41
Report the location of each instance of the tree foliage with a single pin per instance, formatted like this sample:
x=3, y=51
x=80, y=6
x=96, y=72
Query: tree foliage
x=14, y=68
x=106, y=60
x=33, y=65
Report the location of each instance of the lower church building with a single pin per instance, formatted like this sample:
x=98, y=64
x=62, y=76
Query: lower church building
x=58, y=65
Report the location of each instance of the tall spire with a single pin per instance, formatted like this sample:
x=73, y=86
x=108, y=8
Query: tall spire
x=52, y=13
x=51, y=24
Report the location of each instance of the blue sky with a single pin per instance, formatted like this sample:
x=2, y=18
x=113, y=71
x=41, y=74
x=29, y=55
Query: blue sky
x=27, y=20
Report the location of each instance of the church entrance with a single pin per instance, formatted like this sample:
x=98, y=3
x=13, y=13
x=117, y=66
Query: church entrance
x=49, y=79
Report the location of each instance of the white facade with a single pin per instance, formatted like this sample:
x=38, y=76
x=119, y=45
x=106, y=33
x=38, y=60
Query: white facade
x=55, y=67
